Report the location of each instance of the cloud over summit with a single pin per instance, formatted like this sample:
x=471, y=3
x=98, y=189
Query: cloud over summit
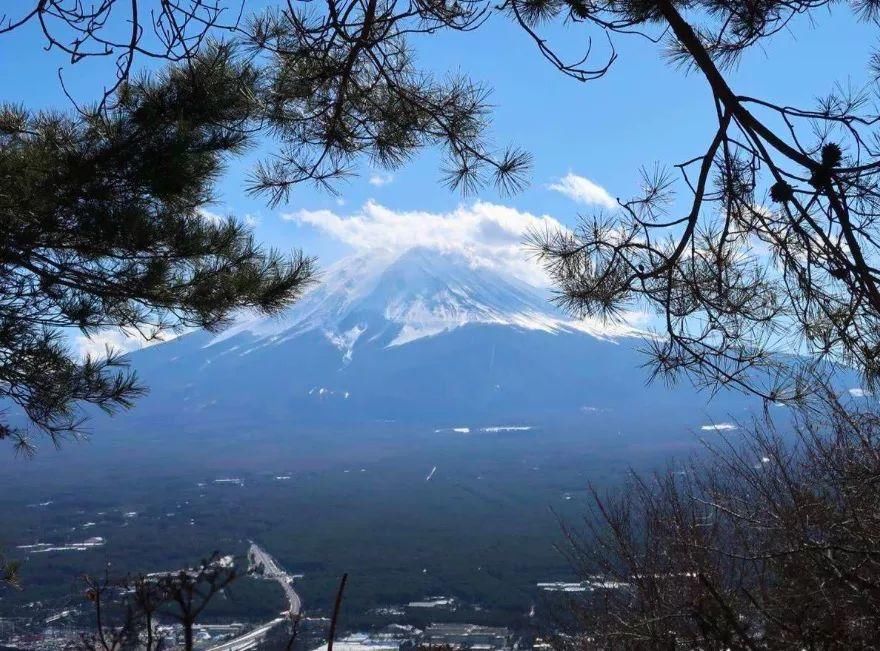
x=488, y=234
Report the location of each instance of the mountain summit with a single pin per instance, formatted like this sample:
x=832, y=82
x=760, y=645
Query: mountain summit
x=424, y=338
x=423, y=292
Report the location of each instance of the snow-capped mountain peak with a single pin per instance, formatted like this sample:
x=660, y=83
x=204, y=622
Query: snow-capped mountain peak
x=394, y=300
x=422, y=338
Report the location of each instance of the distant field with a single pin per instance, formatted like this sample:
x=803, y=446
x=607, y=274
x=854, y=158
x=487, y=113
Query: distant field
x=482, y=529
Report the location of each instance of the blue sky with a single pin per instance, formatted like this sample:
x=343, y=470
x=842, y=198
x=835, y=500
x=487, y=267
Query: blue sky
x=644, y=110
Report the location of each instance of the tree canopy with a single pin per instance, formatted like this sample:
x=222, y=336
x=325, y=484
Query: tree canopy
x=768, y=541
x=102, y=208
x=102, y=228
x=337, y=82
x=776, y=251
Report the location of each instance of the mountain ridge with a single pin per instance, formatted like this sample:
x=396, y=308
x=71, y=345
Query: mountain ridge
x=418, y=293
x=423, y=339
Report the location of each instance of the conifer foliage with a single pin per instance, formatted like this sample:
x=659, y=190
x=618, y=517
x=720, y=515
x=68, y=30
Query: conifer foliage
x=103, y=214
x=765, y=239
x=103, y=226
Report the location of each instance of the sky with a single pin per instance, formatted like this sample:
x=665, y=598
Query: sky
x=588, y=139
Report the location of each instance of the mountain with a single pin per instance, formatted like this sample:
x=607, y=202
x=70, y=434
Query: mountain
x=423, y=338
x=416, y=420
x=397, y=300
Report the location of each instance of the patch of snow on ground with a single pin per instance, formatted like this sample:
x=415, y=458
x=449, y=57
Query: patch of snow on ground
x=587, y=409
x=718, y=427
x=42, y=548
x=431, y=602
x=581, y=586
x=324, y=392
x=562, y=586
x=230, y=480
x=345, y=341
x=492, y=429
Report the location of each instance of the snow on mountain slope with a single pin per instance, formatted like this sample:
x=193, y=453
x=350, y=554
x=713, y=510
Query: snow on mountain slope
x=420, y=293
x=423, y=338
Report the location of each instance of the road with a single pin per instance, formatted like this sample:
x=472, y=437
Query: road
x=250, y=640
x=271, y=570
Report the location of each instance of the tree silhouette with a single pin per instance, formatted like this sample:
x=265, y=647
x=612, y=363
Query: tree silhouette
x=766, y=543
x=342, y=83
x=762, y=543
x=777, y=249
x=103, y=212
x=125, y=30
x=102, y=227
x=8, y=572
x=127, y=610
x=337, y=82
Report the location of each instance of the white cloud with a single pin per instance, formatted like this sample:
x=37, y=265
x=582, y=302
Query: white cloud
x=583, y=190
x=380, y=179
x=249, y=219
x=209, y=216
x=860, y=393
x=488, y=234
